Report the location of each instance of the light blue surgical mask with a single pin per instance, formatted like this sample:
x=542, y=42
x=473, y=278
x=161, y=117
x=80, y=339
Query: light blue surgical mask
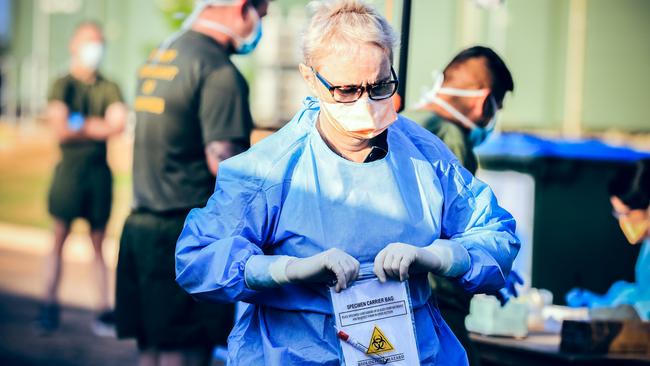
x=242, y=45
x=478, y=134
x=248, y=44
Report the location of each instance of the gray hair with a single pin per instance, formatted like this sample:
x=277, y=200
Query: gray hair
x=337, y=25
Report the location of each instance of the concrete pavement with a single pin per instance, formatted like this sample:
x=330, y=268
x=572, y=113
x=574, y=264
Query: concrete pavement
x=73, y=343
x=22, y=255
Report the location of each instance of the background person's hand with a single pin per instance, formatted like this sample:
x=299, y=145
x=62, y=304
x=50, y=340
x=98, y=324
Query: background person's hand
x=323, y=267
x=93, y=128
x=398, y=259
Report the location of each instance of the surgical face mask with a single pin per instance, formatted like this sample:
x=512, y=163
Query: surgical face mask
x=363, y=119
x=477, y=134
x=90, y=55
x=635, y=229
x=248, y=44
x=242, y=45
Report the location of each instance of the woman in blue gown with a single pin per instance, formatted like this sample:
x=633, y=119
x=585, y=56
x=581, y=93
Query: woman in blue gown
x=345, y=188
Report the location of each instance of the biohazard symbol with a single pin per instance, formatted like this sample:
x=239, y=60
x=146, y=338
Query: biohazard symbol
x=379, y=343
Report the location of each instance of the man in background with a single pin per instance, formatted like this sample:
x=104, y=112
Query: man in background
x=462, y=106
x=85, y=109
x=192, y=112
x=461, y=109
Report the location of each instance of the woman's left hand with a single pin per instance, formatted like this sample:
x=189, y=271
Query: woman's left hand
x=397, y=260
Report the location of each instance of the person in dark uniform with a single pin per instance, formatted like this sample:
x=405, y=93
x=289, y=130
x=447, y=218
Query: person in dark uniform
x=192, y=112
x=461, y=109
x=84, y=110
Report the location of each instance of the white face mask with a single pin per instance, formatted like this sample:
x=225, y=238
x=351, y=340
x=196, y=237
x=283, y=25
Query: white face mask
x=478, y=134
x=90, y=55
x=363, y=119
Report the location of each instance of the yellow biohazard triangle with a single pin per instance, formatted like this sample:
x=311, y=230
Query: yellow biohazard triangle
x=379, y=343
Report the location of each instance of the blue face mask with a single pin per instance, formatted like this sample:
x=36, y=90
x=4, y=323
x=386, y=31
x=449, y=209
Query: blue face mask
x=478, y=135
x=248, y=44
x=241, y=45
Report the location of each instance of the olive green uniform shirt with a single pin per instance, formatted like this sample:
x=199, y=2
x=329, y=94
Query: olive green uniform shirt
x=82, y=182
x=188, y=96
x=90, y=100
x=454, y=136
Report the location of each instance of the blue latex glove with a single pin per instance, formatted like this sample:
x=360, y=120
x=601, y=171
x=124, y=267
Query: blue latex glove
x=621, y=292
x=509, y=290
x=75, y=121
x=577, y=297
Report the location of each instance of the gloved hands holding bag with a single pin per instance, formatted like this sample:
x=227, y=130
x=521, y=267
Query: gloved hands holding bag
x=324, y=267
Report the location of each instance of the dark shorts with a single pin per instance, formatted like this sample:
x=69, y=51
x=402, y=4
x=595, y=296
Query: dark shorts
x=81, y=191
x=150, y=306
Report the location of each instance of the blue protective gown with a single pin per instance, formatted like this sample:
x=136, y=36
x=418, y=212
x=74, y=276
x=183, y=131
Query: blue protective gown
x=291, y=195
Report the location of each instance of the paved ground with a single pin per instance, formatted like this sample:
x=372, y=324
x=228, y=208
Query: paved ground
x=72, y=344
x=22, y=253
x=22, y=256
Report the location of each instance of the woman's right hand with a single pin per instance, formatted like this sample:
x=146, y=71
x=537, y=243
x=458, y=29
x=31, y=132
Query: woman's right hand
x=323, y=267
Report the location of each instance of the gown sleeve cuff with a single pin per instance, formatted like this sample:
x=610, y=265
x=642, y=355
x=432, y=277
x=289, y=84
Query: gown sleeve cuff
x=266, y=271
x=454, y=258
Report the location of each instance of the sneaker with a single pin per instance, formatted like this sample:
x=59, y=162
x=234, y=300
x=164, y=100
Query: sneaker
x=104, y=324
x=48, y=319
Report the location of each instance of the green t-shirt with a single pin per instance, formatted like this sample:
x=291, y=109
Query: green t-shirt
x=90, y=100
x=451, y=134
x=191, y=95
